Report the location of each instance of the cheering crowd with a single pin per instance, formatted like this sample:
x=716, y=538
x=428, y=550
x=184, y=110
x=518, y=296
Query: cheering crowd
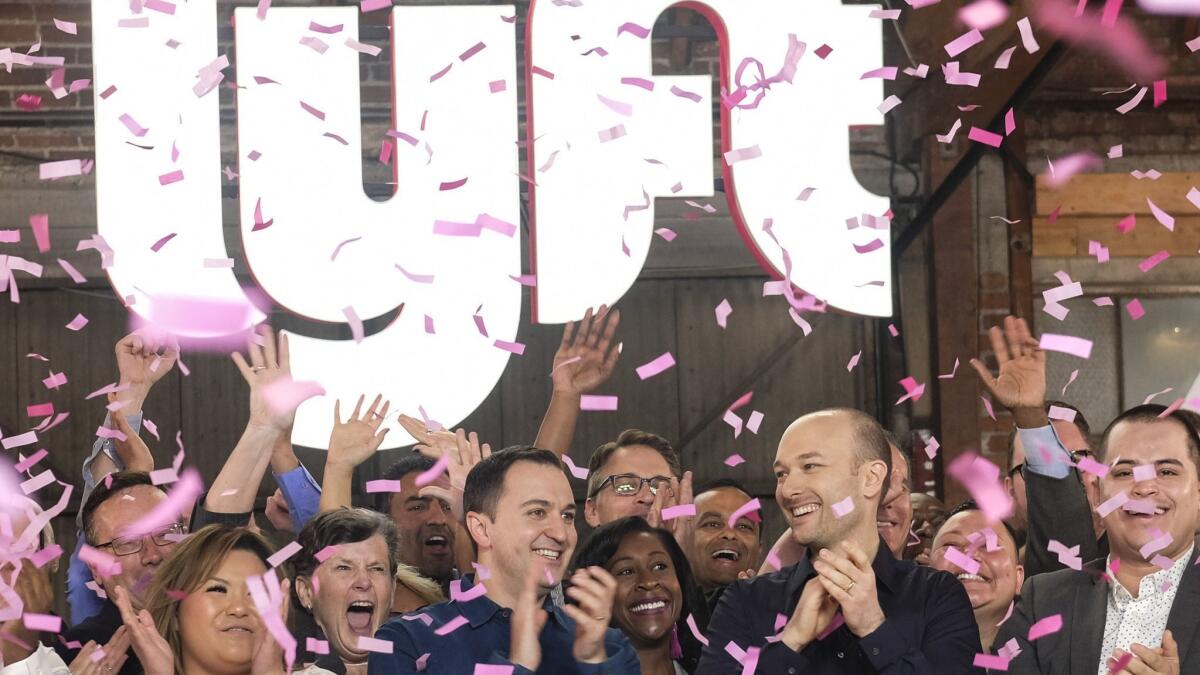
x=1076, y=557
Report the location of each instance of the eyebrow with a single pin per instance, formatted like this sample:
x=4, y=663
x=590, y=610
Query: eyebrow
x=624, y=558
x=1173, y=462
x=217, y=578
x=535, y=502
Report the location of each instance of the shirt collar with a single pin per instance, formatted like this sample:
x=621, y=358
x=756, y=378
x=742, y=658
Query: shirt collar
x=481, y=610
x=884, y=566
x=1151, y=585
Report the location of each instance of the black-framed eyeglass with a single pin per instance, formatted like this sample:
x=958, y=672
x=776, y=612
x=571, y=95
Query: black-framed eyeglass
x=166, y=536
x=629, y=485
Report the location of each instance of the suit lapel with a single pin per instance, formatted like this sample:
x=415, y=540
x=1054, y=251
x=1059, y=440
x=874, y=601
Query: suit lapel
x=1089, y=612
x=1185, y=611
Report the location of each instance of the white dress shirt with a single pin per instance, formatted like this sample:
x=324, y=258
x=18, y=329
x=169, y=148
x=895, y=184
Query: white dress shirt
x=1143, y=619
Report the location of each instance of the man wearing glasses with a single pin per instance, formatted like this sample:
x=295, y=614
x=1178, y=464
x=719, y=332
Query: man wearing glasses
x=636, y=475
x=112, y=506
x=1054, y=502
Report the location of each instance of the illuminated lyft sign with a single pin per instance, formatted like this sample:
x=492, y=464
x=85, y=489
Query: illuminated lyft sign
x=609, y=137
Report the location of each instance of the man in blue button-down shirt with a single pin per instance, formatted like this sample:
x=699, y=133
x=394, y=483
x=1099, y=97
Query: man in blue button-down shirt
x=520, y=514
x=849, y=606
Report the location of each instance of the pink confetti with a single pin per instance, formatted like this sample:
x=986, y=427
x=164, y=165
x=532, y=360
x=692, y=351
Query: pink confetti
x=579, y=472
x=450, y=626
x=356, y=324
x=1161, y=216
x=55, y=380
x=854, y=361
x=452, y=185
x=1112, y=503
x=931, y=448
x=634, y=30
x=734, y=460
x=338, y=248
x=313, y=111
x=434, y=472
x=963, y=42
x=753, y=422
x=1060, y=413
x=912, y=389
x=984, y=136
x=598, y=403
x=283, y=554
x=683, y=93
x=656, y=366
x=30, y=461
x=77, y=323
x=317, y=646
x=1151, y=262
x=1066, y=344
x=893, y=330
x=612, y=133
x=157, y=246
x=131, y=124
x=172, y=177
x=742, y=154
x=680, y=511
x=39, y=223
x=1144, y=472
x=962, y=560
x=69, y=28
x=372, y=5
x=42, y=622
x=105, y=564
x=991, y=661
x=512, y=347
x=886, y=73
x=1047, y=626
x=383, y=486
x=843, y=507
x=60, y=169
x=723, y=310
x=20, y=440
x=983, y=14
x=458, y=595
x=745, y=509
x=1027, y=39
x=1133, y=102
x=1193, y=196
x=1134, y=307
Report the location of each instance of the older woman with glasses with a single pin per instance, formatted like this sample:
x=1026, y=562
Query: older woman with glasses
x=202, y=617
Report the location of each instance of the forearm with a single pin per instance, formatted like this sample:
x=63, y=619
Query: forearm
x=283, y=457
x=236, y=486
x=336, y=488
x=558, y=426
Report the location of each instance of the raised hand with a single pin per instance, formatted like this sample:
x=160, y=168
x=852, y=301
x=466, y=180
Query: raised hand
x=143, y=358
x=151, y=649
x=1020, y=383
x=528, y=618
x=850, y=580
x=278, y=512
x=116, y=652
x=270, y=364
x=432, y=444
x=133, y=451
x=594, y=589
x=268, y=653
x=355, y=440
x=586, y=356
x=467, y=453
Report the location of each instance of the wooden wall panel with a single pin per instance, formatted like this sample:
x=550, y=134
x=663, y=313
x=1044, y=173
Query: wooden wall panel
x=1069, y=236
x=12, y=419
x=1109, y=193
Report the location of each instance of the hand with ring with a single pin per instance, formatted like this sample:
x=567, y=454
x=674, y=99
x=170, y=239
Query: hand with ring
x=269, y=370
x=594, y=589
x=848, y=578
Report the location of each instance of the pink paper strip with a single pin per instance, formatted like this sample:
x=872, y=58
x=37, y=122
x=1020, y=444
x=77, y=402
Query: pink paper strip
x=77, y=323
x=1047, y=626
x=383, y=486
x=280, y=556
x=1112, y=504
x=843, y=507
x=513, y=347
x=20, y=440
x=317, y=646
x=43, y=622
x=962, y=560
x=1066, y=344
x=734, y=460
x=991, y=661
x=1143, y=472
x=598, y=403
x=984, y=136
x=40, y=224
x=963, y=42
x=31, y=460
x=579, y=472
x=451, y=625
x=434, y=472
x=1135, y=309
x=458, y=595
x=745, y=509
x=1164, y=218
x=656, y=366
x=672, y=512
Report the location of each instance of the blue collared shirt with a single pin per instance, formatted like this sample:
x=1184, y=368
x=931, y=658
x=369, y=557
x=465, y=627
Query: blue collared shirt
x=486, y=638
x=1045, y=455
x=928, y=626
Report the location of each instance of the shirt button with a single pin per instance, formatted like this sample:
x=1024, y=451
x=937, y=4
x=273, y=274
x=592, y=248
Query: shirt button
x=841, y=655
x=875, y=651
x=506, y=612
x=791, y=671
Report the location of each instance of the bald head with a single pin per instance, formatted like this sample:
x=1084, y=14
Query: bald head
x=869, y=442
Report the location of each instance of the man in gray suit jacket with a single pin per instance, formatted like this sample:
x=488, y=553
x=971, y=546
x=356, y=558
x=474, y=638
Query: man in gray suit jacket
x=1136, y=612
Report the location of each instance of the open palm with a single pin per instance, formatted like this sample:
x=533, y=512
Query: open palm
x=586, y=355
x=1021, y=380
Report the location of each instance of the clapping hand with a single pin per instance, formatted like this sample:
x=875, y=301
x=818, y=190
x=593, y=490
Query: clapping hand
x=849, y=579
x=151, y=648
x=528, y=618
x=356, y=439
x=682, y=527
x=594, y=589
x=268, y=653
x=811, y=617
x=116, y=651
x=586, y=357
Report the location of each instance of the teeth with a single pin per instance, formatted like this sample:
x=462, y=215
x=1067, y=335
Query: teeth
x=727, y=553
x=801, y=510
x=436, y=540
x=882, y=523
x=1159, y=512
x=362, y=604
x=547, y=553
x=648, y=606
x=970, y=577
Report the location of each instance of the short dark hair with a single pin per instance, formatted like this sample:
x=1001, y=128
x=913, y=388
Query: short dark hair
x=485, y=482
x=1152, y=413
x=627, y=438
x=726, y=484
x=413, y=461
x=970, y=505
x=110, y=486
x=343, y=526
x=602, y=544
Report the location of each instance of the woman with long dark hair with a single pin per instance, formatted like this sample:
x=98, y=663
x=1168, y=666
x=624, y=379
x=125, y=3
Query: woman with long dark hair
x=656, y=593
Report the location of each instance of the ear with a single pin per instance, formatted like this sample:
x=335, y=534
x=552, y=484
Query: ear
x=1020, y=577
x=479, y=526
x=1008, y=486
x=590, y=514
x=305, y=592
x=874, y=479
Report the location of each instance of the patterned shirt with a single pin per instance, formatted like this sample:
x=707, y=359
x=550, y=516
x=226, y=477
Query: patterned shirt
x=1143, y=619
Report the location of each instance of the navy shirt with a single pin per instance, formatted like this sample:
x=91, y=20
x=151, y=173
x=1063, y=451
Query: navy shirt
x=928, y=625
x=486, y=638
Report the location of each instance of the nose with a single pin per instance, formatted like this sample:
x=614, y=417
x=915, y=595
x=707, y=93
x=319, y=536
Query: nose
x=644, y=495
x=647, y=582
x=1146, y=487
x=239, y=604
x=437, y=514
x=151, y=555
x=362, y=581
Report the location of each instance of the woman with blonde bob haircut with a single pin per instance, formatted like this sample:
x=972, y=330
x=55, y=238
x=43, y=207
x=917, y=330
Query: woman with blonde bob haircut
x=200, y=617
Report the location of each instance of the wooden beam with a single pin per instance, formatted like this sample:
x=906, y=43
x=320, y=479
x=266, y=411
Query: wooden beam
x=1019, y=203
x=955, y=313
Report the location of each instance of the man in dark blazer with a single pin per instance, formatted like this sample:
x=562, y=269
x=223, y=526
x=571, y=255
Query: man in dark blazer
x=1136, y=612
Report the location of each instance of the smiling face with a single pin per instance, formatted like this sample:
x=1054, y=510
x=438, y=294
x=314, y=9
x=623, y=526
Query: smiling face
x=719, y=551
x=999, y=578
x=426, y=530
x=648, y=600
x=815, y=469
x=218, y=625
x=534, y=524
x=352, y=595
x=639, y=460
x=895, y=515
x=1174, y=489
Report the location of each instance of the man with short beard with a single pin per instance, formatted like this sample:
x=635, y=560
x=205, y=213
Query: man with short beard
x=996, y=574
x=832, y=469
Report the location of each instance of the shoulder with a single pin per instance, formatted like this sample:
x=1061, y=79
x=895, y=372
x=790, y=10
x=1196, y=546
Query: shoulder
x=1061, y=581
x=421, y=622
